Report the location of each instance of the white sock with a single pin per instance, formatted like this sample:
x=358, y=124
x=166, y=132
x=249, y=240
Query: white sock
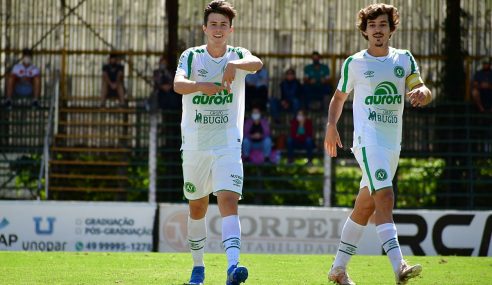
x=197, y=235
x=231, y=238
x=389, y=239
x=351, y=234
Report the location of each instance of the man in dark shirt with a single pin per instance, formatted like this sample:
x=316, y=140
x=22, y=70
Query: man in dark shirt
x=316, y=82
x=112, y=80
x=163, y=87
x=482, y=87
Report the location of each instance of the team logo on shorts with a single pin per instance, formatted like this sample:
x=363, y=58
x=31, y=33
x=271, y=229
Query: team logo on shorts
x=381, y=174
x=189, y=187
x=399, y=71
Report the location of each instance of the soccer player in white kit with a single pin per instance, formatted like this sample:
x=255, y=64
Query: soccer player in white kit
x=380, y=77
x=211, y=78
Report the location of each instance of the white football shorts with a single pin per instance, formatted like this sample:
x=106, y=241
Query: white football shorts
x=378, y=165
x=211, y=171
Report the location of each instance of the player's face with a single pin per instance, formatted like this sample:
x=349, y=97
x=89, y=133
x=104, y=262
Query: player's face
x=217, y=29
x=378, y=31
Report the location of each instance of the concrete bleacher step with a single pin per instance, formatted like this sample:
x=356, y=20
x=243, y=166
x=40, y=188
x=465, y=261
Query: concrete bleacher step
x=92, y=123
x=90, y=149
x=89, y=163
x=115, y=110
x=93, y=136
x=85, y=189
x=89, y=176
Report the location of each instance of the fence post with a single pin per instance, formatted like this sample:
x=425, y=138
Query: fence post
x=327, y=180
x=152, y=157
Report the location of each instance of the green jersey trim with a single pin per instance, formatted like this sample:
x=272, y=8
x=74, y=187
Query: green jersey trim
x=190, y=61
x=412, y=63
x=239, y=53
x=368, y=172
x=346, y=74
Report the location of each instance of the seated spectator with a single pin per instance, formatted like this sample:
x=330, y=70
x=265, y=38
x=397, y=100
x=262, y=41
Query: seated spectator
x=301, y=136
x=112, y=80
x=257, y=89
x=167, y=99
x=24, y=81
x=316, y=82
x=290, y=95
x=257, y=135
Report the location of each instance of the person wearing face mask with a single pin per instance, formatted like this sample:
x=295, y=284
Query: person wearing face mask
x=316, y=82
x=112, y=80
x=257, y=135
x=24, y=81
x=301, y=136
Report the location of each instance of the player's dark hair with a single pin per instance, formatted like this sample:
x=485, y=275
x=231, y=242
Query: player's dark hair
x=220, y=7
x=373, y=11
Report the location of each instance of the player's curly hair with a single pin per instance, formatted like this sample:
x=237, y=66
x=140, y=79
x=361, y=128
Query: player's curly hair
x=220, y=7
x=373, y=11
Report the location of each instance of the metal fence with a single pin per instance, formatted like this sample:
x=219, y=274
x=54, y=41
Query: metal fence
x=76, y=36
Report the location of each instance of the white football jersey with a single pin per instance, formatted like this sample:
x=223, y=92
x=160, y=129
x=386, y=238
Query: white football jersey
x=380, y=85
x=216, y=121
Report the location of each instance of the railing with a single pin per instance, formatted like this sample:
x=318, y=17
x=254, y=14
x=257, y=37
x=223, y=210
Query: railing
x=48, y=137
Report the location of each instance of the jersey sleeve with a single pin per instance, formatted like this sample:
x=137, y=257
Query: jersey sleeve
x=346, y=83
x=413, y=78
x=185, y=63
x=243, y=53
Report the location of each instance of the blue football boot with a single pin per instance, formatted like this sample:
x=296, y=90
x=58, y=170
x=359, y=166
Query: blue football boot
x=197, y=275
x=236, y=275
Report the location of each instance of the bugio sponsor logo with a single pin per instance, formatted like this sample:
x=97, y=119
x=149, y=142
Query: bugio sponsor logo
x=221, y=98
x=385, y=94
x=212, y=117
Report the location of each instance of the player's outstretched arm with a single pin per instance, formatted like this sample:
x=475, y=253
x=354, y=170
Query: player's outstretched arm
x=420, y=96
x=249, y=63
x=185, y=86
x=332, y=137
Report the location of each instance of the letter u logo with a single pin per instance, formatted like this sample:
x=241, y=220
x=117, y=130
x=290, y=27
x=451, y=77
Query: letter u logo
x=49, y=230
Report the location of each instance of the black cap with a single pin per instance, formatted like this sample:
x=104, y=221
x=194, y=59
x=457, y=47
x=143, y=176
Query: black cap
x=315, y=52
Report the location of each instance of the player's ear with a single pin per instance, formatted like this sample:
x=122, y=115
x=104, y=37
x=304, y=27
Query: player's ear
x=204, y=28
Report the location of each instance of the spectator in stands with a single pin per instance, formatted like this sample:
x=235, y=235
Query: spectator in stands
x=24, y=81
x=301, y=136
x=482, y=97
x=291, y=96
x=482, y=87
x=291, y=92
x=112, y=80
x=163, y=87
x=257, y=135
x=316, y=82
x=257, y=89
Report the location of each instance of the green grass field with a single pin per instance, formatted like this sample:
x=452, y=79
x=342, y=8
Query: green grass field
x=174, y=269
